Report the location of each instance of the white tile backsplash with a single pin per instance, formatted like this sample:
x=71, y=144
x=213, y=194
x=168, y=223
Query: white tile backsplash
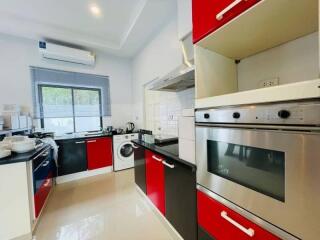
x=162, y=110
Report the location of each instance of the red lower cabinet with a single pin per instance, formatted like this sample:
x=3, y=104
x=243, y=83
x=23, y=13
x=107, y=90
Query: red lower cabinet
x=155, y=180
x=99, y=153
x=222, y=223
x=41, y=195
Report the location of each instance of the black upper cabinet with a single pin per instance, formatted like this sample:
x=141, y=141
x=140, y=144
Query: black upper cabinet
x=140, y=168
x=181, y=203
x=72, y=157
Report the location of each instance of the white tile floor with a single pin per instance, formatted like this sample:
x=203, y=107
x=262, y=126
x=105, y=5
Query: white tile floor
x=100, y=208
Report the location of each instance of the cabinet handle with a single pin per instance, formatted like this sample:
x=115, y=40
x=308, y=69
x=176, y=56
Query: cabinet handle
x=46, y=163
x=47, y=183
x=134, y=146
x=80, y=142
x=45, y=154
x=92, y=141
x=168, y=165
x=219, y=16
x=157, y=159
x=248, y=231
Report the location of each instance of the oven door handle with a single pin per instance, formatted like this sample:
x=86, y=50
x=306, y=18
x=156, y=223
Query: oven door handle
x=248, y=231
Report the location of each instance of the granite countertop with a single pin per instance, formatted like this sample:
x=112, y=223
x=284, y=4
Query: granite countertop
x=23, y=157
x=168, y=150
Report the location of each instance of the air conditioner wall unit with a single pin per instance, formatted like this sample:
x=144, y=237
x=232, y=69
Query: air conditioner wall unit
x=66, y=54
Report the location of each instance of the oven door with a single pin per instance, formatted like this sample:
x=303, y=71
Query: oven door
x=273, y=174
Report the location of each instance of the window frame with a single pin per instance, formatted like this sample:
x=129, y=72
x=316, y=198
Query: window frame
x=40, y=86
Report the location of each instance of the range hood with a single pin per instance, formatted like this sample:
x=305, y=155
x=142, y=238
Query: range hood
x=182, y=77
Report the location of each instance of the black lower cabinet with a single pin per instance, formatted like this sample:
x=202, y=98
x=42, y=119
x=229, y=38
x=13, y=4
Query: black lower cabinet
x=203, y=235
x=72, y=157
x=140, y=168
x=181, y=203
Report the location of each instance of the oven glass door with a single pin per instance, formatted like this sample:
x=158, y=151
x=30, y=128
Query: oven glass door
x=259, y=169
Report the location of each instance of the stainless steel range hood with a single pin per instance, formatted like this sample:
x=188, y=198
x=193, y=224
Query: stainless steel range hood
x=183, y=76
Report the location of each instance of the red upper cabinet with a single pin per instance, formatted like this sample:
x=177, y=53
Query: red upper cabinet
x=155, y=180
x=99, y=152
x=223, y=223
x=209, y=15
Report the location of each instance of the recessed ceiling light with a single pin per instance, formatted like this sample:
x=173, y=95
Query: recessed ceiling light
x=95, y=10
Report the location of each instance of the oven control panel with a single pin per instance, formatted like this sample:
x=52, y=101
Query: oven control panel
x=297, y=113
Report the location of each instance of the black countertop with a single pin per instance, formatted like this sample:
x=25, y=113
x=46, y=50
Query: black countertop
x=80, y=136
x=23, y=157
x=167, y=150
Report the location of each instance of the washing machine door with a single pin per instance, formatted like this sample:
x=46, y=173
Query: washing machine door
x=125, y=150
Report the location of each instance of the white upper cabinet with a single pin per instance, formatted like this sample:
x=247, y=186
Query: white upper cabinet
x=184, y=18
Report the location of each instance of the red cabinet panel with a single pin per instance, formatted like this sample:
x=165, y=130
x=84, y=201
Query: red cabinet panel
x=42, y=194
x=155, y=180
x=204, y=14
x=219, y=221
x=99, y=153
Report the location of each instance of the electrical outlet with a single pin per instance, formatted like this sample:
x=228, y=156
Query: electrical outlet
x=269, y=83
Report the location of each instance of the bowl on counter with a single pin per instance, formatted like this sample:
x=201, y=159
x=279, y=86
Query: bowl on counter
x=5, y=145
x=4, y=153
x=15, y=139
x=23, y=146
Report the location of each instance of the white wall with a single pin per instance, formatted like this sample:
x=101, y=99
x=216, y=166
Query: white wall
x=15, y=82
x=159, y=57
x=163, y=110
x=291, y=62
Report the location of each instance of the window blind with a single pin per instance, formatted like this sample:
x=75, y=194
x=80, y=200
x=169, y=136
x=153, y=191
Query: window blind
x=44, y=76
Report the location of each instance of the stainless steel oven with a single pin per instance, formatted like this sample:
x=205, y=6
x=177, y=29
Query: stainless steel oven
x=265, y=159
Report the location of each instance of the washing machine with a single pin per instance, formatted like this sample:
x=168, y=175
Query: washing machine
x=123, y=154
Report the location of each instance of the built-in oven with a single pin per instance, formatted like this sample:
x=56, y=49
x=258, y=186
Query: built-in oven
x=265, y=159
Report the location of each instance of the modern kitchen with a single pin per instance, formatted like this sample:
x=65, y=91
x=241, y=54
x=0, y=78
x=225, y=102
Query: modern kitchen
x=160, y=119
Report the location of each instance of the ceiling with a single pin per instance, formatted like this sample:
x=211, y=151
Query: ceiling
x=122, y=28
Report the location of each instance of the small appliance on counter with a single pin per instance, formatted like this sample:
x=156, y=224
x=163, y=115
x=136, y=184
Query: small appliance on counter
x=117, y=131
x=129, y=127
x=108, y=130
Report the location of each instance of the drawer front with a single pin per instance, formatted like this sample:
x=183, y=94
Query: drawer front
x=225, y=224
x=41, y=172
x=42, y=194
x=204, y=15
x=155, y=180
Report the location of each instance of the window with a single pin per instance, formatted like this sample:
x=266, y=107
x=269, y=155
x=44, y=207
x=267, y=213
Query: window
x=70, y=109
x=66, y=101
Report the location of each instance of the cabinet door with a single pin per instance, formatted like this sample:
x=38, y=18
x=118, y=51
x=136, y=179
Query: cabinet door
x=72, y=157
x=223, y=223
x=140, y=167
x=99, y=153
x=181, y=204
x=41, y=195
x=204, y=14
x=155, y=180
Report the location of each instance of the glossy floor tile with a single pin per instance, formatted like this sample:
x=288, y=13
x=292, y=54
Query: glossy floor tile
x=100, y=208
